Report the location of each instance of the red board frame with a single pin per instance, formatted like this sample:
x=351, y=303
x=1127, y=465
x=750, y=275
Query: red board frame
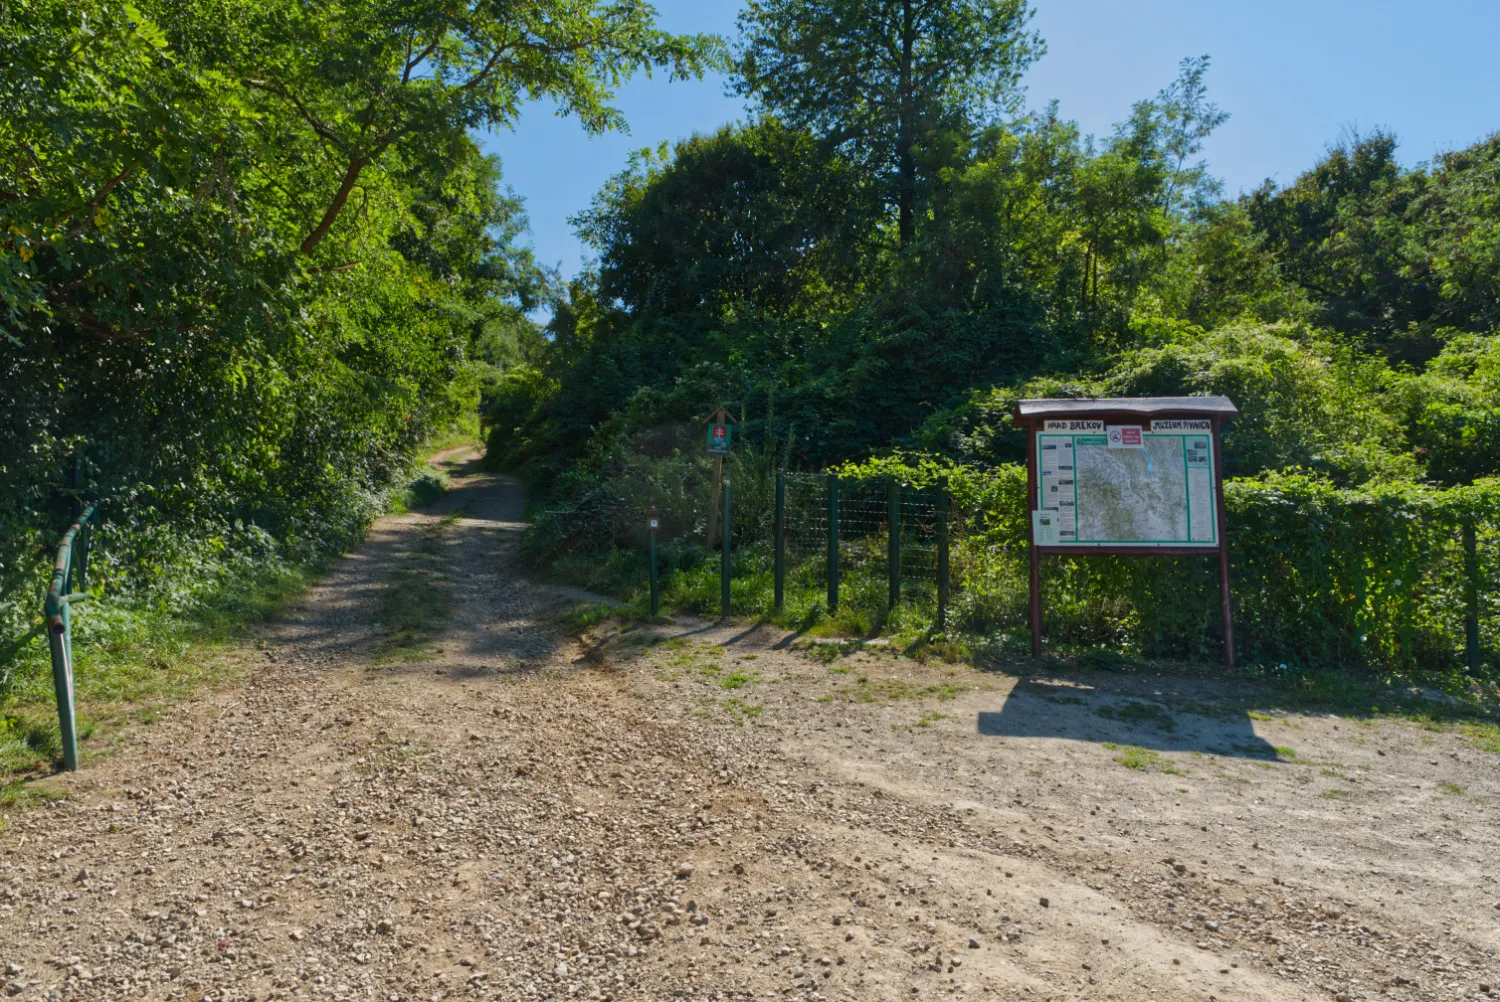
x=1035, y=423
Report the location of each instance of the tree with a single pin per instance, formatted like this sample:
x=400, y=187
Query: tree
x=364, y=75
x=1393, y=255
x=759, y=216
x=877, y=78
x=1187, y=118
x=161, y=331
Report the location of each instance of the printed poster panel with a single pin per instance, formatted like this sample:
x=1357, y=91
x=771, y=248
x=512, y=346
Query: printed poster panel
x=1156, y=491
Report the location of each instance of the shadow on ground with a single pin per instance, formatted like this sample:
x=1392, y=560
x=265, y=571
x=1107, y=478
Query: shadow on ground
x=439, y=590
x=1080, y=711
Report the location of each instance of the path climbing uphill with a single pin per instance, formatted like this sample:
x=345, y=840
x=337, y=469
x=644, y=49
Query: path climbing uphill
x=431, y=787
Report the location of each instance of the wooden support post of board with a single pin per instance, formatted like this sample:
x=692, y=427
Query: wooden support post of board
x=1034, y=501
x=1226, y=607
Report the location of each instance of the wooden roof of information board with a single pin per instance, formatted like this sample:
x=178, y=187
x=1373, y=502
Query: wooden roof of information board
x=1064, y=407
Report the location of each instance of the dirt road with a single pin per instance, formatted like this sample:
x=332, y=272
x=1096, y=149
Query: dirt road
x=491, y=806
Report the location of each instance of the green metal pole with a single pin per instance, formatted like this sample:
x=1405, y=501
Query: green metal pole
x=724, y=558
x=780, y=543
x=82, y=567
x=944, y=504
x=1471, y=595
x=655, y=595
x=833, y=544
x=61, y=646
x=893, y=543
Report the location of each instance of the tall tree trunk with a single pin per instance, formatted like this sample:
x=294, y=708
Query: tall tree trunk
x=1094, y=296
x=906, y=196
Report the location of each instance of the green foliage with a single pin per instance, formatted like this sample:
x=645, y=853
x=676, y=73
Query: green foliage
x=872, y=273
x=1390, y=254
x=1307, y=399
x=426, y=488
x=759, y=217
x=881, y=79
x=250, y=259
x=753, y=267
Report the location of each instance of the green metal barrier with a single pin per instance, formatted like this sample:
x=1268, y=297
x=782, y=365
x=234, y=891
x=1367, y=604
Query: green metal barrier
x=71, y=567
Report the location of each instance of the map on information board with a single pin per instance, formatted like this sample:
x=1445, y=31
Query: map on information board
x=1159, y=492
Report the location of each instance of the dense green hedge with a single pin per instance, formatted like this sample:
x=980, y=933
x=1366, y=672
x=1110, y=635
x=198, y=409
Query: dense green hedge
x=1321, y=575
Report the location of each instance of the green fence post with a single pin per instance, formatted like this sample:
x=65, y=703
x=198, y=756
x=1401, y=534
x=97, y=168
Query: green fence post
x=893, y=542
x=833, y=544
x=60, y=644
x=944, y=504
x=1471, y=594
x=780, y=542
x=72, y=558
x=655, y=593
x=724, y=557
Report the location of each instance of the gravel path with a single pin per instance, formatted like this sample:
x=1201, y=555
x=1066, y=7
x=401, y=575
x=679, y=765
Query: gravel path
x=503, y=809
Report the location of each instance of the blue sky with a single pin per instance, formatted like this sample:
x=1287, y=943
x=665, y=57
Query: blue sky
x=1296, y=75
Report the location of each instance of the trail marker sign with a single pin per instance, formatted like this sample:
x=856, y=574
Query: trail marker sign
x=1132, y=475
x=718, y=439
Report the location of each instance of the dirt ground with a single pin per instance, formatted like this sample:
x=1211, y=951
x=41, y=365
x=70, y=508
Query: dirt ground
x=509, y=809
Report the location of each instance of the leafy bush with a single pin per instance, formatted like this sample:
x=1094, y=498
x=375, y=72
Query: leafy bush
x=426, y=487
x=1322, y=575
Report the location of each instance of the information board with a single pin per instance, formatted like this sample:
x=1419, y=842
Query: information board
x=1126, y=485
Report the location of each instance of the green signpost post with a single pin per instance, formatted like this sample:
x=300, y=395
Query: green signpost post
x=654, y=522
x=724, y=559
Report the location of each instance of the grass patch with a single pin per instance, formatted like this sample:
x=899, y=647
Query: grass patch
x=580, y=616
x=417, y=601
x=1336, y=795
x=1285, y=754
x=1136, y=712
x=130, y=660
x=464, y=432
x=1143, y=760
x=867, y=690
x=1450, y=789
x=925, y=720
x=1104, y=659
x=1485, y=737
x=739, y=711
x=425, y=488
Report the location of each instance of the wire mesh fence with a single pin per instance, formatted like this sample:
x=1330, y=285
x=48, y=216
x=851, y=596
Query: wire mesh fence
x=865, y=547
x=1400, y=585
